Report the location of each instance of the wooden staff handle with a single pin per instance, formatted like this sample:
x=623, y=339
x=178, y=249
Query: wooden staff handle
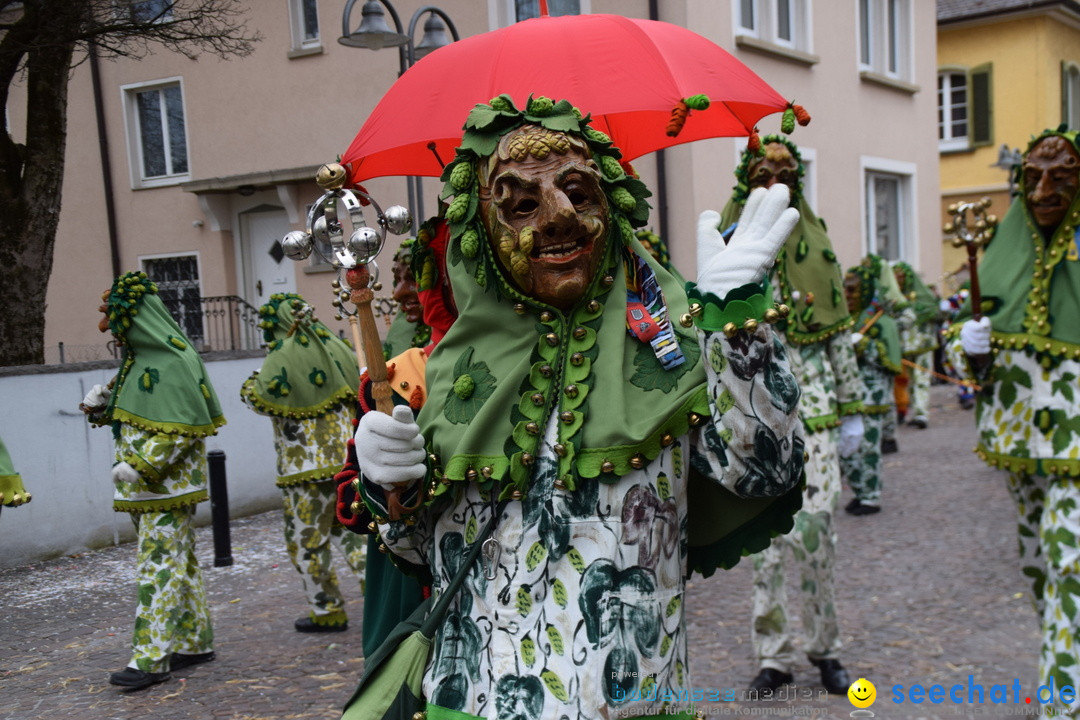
x=973, y=265
x=366, y=335
x=871, y=321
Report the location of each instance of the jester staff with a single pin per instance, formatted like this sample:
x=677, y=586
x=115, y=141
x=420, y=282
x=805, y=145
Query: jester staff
x=354, y=259
x=972, y=235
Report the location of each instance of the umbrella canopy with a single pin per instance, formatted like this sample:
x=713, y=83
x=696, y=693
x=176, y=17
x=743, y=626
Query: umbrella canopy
x=629, y=74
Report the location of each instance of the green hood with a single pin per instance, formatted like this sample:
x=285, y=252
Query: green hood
x=1041, y=313
x=162, y=385
x=308, y=370
x=509, y=361
x=922, y=298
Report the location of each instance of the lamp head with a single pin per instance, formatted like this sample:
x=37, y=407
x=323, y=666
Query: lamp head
x=373, y=32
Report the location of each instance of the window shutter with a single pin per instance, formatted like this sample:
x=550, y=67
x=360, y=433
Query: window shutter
x=981, y=131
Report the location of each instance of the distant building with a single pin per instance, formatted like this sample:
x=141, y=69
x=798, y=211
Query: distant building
x=1007, y=70
x=211, y=162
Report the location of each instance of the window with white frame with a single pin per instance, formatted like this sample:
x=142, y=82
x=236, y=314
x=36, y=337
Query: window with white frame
x=304, y=18
x=779, y=22
x=1070, y=95
x=886, y=37
x=157, y=133
x=888, y=211
x=952, y=91
x=965, y=117
x=177, y=279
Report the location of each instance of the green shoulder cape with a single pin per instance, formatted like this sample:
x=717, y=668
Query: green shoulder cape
x=162, y=385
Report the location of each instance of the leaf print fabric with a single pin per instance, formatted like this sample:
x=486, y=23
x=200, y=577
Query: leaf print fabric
x=586, y=603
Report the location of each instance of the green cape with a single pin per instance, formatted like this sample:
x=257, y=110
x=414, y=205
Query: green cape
x=508, y=362
x=922, y=298
x=11, y=483
x=162, y=385
x=308, y=370
x=807, y=264
x=884, y=332
x=1041, y=313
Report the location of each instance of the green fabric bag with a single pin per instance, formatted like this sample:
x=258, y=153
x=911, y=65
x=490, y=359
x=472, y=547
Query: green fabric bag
x=391, y=686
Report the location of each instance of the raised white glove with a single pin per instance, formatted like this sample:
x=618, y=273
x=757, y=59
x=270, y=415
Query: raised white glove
x=945, y=306
x=851, y=434
x=124, y=473
x=764, y=225
x=975, y=336
x=856, y=337
x=98, y=397
x=390, y=448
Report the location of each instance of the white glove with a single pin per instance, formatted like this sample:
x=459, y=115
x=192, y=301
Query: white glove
x=945, y=306
x=851, y=434
x=764, y=225
x=390, y=448
x=122, y=473
x=975, y=336
x=856, y=337
x=98, y=397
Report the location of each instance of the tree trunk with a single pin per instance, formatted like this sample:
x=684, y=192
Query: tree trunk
x=30, y=208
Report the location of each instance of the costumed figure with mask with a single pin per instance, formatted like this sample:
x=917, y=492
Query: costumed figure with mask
x=807, y=278
x=1024, y=352
x=306, y=387
x=922, y=342
x=407, y=329
x=877, y=347
x=888, y=297
x=160, y=407
x=575, y=400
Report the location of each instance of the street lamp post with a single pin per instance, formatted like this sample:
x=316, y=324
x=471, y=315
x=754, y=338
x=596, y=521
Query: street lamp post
x=373, y=33
x=1007, y=161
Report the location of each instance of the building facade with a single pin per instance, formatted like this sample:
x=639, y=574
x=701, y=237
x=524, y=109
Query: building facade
x=1007, y=70
x=209, y=163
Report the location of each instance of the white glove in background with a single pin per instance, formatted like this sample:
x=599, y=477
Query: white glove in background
x=98, y=397
x=764, y=225
x=124, y=473
x=856, y=337
x=390, y=448
x=851, y=434
x=975, y=336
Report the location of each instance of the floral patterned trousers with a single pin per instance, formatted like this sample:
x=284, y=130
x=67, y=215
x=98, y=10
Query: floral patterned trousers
x=919, y=387
x=310, y=529
x=172, y=613
x=1048, y=513
x=813, y=547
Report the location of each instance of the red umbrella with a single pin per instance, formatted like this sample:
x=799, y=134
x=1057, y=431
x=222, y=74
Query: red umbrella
x=629, y=74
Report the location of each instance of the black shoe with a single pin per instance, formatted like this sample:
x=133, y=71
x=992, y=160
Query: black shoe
x=967, y=403
x=919, y=422
x=857, y=507
x=307, y=625
x=179, y=661
x=834, y=677
x=889, y=445
x=770, y=679
x=131, y=679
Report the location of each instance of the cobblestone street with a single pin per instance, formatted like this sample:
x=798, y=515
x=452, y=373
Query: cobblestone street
x=929, y=592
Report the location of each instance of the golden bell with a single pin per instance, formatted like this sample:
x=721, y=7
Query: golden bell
x=730, y=329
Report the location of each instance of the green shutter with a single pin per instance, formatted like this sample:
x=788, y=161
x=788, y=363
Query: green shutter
x=981, y=106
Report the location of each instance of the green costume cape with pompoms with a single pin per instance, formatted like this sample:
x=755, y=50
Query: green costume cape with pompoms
x=162, y=385
x=1034, y=310
x=806, y=268
x=308, y=370
x=509, y=362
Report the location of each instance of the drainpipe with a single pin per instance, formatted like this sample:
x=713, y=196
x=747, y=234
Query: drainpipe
x=661, y=163
x=106, y=166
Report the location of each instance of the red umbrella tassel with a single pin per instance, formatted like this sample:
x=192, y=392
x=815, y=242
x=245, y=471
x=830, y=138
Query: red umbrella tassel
x=801, y=116
x=680, y=112
x=753, y=143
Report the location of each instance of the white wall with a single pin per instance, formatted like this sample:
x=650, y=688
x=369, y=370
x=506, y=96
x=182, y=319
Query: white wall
x=65, y=463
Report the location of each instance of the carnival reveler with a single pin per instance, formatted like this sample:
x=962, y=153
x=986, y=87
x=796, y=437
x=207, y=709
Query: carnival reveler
x=878, y=350
x=922, y=341
x=12, y=492
x=574, y=399
x=160, y=407
x=306, y=387
x=808, y=278
x=1025, y=353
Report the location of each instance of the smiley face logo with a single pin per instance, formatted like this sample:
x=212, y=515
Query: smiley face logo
x=862, y=693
